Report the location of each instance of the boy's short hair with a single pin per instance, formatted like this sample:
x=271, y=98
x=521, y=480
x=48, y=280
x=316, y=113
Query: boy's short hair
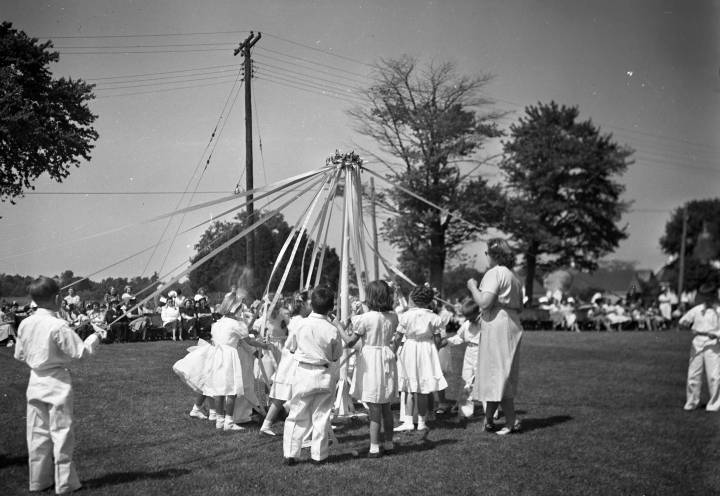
x=422, y=296
x=469, y=307
x=322, y=300
x=44, y=289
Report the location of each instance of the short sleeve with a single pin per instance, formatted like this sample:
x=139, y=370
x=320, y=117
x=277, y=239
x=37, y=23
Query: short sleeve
x=402, y=323
x=437, y=324
x=490, y=282
x=359, y=325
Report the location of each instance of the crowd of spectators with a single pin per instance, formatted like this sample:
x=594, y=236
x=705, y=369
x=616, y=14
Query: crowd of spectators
x=174, y=316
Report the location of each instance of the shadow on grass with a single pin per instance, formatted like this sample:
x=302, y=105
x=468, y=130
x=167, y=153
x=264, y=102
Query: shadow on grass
x=123, y=477
x=531, y=424
x=9, y=461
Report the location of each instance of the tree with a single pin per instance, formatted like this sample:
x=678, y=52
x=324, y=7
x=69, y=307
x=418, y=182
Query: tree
x=430, y=120
x=223, y=270
x=45, y=123
x=563, y=194
x=702, y=214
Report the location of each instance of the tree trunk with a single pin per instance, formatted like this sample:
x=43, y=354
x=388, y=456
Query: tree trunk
x=437, y=258
x=530, y=262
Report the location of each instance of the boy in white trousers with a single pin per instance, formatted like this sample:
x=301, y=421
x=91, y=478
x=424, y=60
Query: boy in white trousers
x=314, y=346
x=705, y=350
x=48, y=344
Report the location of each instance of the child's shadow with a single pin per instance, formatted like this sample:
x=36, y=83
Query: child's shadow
x=8, y=461
x=123, y=477
x=531, y=424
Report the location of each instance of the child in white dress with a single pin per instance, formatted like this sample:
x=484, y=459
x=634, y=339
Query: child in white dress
x=419, y=370
x=468, y=334
x=375, y=378
x=227, y=374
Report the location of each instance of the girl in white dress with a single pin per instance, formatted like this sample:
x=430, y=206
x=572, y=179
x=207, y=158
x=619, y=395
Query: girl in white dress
x=228, y=375
x=375, y=378
x=419, y=370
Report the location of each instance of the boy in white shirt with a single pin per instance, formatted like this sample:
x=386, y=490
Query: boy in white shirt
x=705, y=349
x=316, y=343
x=48, y=344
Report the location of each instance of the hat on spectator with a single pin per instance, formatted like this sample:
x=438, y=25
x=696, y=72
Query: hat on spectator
x=198, y=297
x=172, y=294
x=596, y=297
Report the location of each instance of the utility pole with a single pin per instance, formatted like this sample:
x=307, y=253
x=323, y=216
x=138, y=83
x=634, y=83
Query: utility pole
x=374, y=229
x=681, y=275
x=244, y=48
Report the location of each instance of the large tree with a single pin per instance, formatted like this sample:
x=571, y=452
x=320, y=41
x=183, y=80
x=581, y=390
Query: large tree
x=564, y=195
x=703, y=230
x=224, y=270
x=45, y=123
x=431, y=120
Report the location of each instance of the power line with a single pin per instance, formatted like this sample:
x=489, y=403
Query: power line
x=160, y=78
x=148, y=35
x=125, y=76
x=130, y=52
x=164, y=90
x=305, y=82
x=122, y=193
x=305, y=88
x=344, y=57
x=355, y=89
x=121, y=47
x=293, y=57
x=165, y=83
x=334, y=73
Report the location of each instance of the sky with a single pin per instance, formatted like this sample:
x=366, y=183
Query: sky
x=646, y=71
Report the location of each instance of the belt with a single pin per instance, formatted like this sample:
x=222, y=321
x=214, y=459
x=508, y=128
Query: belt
x=472, y=344
x=318, y=365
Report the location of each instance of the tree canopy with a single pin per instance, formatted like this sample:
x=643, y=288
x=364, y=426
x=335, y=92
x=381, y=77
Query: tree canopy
x=564, y=197
x=222, y=271
x=703, y=219
x=430, y=120
x=45, y=123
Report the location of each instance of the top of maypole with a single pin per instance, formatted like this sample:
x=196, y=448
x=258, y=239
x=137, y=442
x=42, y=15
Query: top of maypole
x=344, y=160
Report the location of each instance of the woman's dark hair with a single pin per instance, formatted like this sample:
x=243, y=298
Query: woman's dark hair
x=500, y=251
x=322, y=300
x=379, y=296
x=422, y=296
x=43, y=289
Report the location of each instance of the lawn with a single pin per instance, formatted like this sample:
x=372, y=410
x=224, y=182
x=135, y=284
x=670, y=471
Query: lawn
x=602, y=414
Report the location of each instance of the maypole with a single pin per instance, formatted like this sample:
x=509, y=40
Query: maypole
x=351, y=228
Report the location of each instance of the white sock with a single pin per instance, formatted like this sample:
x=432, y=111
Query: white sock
x=421, y=420
x=266, y=424
x=374, y=448
x=408, y=419
x=229, y=419
x=196, y=408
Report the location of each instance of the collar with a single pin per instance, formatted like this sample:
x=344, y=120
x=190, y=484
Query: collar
x=314, y=315
x=45, y=311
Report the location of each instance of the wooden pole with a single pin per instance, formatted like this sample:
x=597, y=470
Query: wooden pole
x=681, y=274
x=376, y=266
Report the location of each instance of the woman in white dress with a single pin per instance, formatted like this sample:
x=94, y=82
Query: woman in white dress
x=499, y=297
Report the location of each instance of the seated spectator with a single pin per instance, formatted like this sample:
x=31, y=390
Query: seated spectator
x=187, y=318
x=7, y=328
x=617, y=315
x=598, y=313
x=203, y=315
x=127, y=295
x=112, y=297
x=72, y=298
x=567, y=310
x=170, y=315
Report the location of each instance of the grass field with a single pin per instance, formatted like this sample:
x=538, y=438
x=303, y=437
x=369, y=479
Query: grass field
x=602, y=414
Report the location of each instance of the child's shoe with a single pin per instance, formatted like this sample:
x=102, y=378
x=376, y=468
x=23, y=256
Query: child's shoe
x=266, y=429
x=422, y=426
x=198, y=413
x=404, y=427
x=219, y=423
x=229, y=425
x=388, y=448
x=212, y=416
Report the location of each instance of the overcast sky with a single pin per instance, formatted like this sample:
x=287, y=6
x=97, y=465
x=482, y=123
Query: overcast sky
x=646, y=71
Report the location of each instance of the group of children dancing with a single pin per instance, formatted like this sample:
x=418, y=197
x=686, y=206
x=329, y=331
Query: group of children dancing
x=299, y=357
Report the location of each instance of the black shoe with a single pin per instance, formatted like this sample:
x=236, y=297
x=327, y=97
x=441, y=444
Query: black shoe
x=490, y=427
x=375, y=455
x=319, y=462
x=290, y=461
